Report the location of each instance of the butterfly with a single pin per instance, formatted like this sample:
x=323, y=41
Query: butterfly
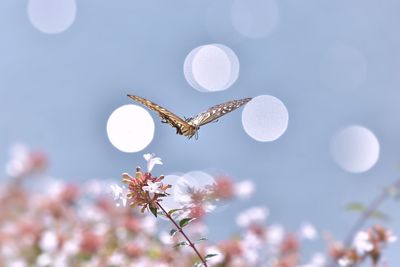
x=189, y=126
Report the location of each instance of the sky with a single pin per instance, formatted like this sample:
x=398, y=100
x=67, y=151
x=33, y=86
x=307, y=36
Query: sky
x=333, y=66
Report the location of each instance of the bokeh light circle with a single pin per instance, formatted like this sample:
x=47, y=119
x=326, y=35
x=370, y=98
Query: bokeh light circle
x=355, y=149
x=343, y=68
x=171, y=202
x=211, y=68
x=52, y=16
x=130, y=128
x=199, y=179
x=255, y=18
x=265, y=118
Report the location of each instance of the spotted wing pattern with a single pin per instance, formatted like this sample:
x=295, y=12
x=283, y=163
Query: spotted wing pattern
x=182, y=127
x=216, y=111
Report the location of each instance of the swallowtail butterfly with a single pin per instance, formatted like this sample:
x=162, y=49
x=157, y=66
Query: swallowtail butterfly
x=189, y=127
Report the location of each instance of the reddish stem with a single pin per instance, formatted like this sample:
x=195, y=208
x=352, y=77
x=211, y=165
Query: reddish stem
x=183, y=233
x=371, y=208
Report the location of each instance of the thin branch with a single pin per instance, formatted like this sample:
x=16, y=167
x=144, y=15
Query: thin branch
x=366, y=214
x=183, y=233
x=371, y=208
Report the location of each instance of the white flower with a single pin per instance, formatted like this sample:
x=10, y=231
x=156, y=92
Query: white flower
x=275, y=234
x=244, y=189
x=71, y=246
x=19, y=161
x=48, y=241
x=151, y=161
x=44, y=259
x=120, y=194
x=17, y=263
x=362, y=243
x=255, y=215
x=308, y=231
x=117, y=259
x=391, y=237
x=317, y=260
x=153, y=187
x=345, y=262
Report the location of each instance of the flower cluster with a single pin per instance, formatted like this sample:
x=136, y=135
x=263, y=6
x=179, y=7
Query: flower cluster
x=144, y=190
x=80, y=225
x=366, y=245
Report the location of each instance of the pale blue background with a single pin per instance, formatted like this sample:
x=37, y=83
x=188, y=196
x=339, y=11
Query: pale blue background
x=57, y=91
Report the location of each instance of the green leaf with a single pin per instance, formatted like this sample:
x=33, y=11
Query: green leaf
x=173, y=232
x=356, y=206
x=181, y=244
x=377, y=214
x=154, y=211
x=209, y=256
x=202, y=239
x=198, y=264
x=185, y=222
x=173, y=211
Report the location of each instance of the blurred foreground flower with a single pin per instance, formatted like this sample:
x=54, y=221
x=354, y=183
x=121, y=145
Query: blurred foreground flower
x=23, y=161
x=366, y=245
x=60, y=224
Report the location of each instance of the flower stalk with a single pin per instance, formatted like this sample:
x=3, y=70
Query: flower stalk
x=191, y=244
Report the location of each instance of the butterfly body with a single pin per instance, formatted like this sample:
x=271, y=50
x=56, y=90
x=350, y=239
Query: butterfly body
x=189, y=126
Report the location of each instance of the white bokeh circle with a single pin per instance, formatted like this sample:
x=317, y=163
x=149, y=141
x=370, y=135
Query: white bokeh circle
x=265, y=118
x=355, y=149
x=171, y=202
x=130, y=128
x=210, y=68
x=199, y=179
x=52, y=16
x=255, y=18
x=343, y=68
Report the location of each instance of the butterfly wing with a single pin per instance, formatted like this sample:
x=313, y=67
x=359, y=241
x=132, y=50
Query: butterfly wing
x=217, y=111
x=182, y=127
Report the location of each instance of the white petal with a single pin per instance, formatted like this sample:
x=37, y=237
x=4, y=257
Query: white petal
x=152, y=162
x=345, y=262
x=148, y=156
x=392, y=239
x=116, y=190
x=244, y=189
x=48, y=241
x=308, y=231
